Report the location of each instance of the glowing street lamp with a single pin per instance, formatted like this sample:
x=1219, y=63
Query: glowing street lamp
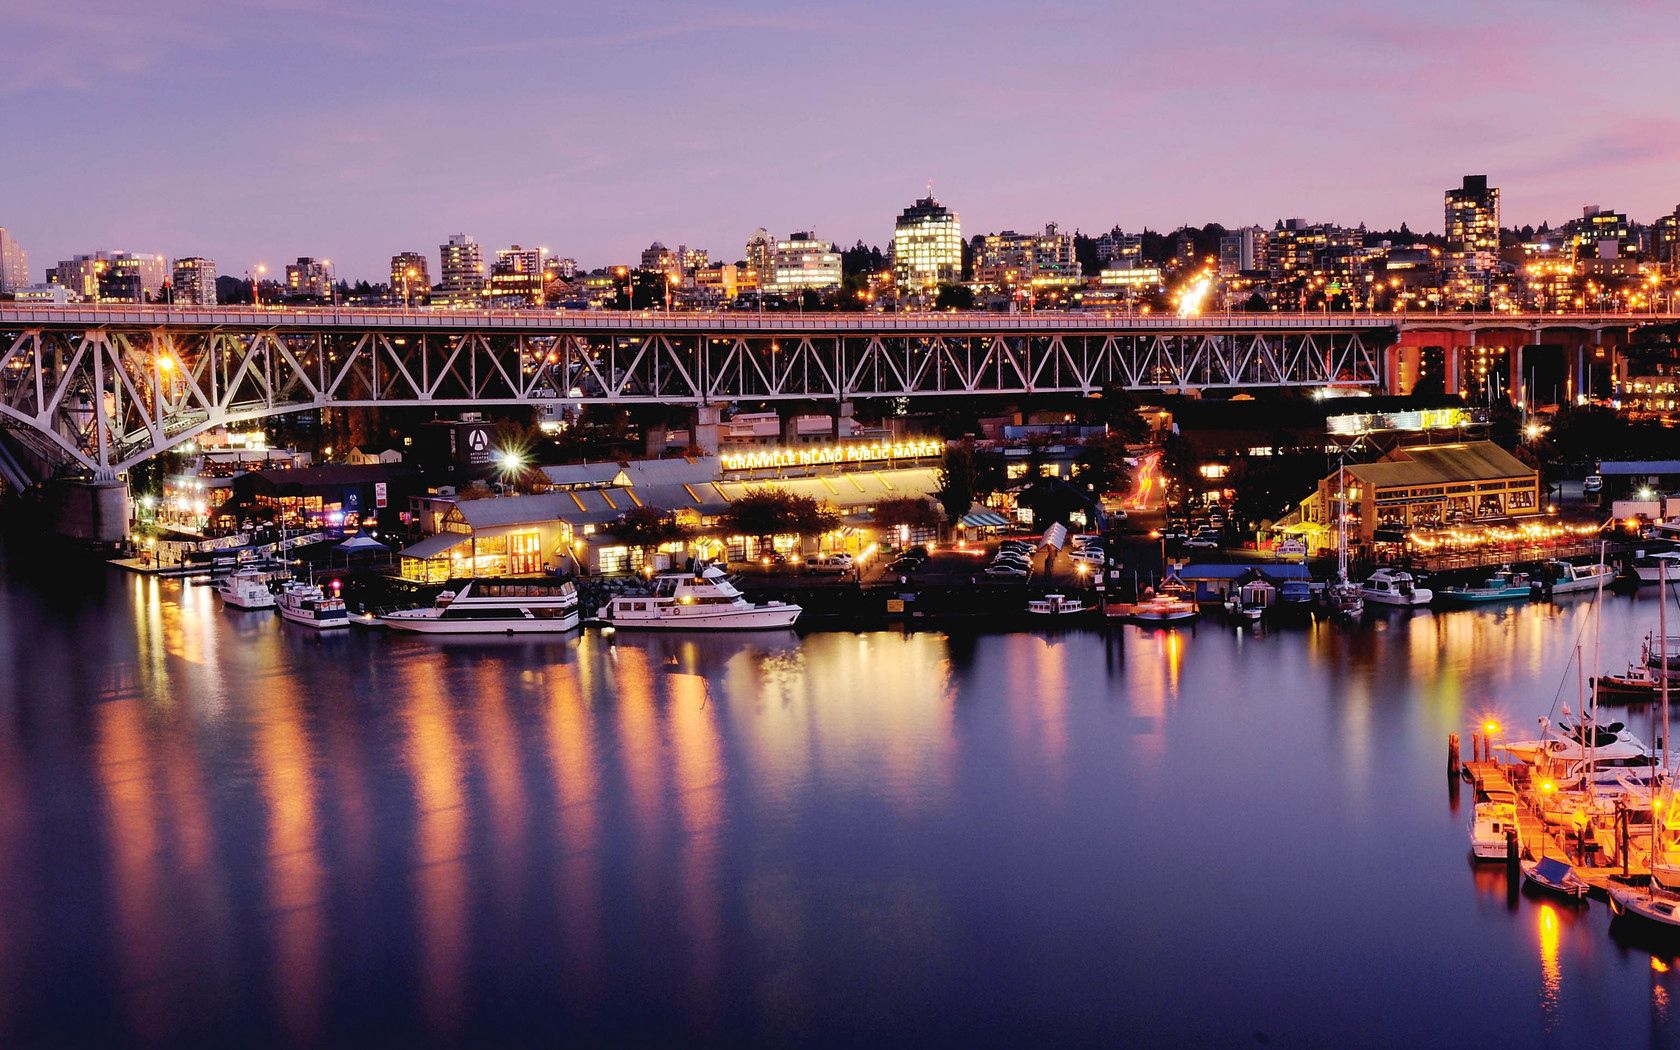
x=510, y=463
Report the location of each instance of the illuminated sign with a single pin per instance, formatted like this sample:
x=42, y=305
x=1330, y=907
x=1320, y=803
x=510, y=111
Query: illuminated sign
x=1423, y=419
x=828, y=455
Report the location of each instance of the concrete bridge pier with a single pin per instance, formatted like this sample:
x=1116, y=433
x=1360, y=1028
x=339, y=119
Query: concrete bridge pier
x=708, y=419
x=93, y=511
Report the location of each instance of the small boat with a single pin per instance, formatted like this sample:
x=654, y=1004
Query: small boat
x=1502, y=586
x=1057, y=605
x=1562, y=577
x=1251, y=600
x=1160, y=608
x=307, y=604
x=1653, y=905
x=507, y=605
x=1345, y=599
x=1555, y=876
x=1394, y=587
x=1637, y=685
x=701, y=600
x=246, y=589
x=1648, y=568
x=1488, y=829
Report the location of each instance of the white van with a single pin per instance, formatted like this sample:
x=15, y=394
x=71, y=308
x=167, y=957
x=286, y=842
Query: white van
x=837, y=562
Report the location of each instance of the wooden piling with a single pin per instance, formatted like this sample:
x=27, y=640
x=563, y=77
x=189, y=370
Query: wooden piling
x=1452, y=754
x=1512, y=856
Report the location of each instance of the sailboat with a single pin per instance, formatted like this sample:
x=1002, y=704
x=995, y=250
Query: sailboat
x=1346, y=599
x=1653, y=902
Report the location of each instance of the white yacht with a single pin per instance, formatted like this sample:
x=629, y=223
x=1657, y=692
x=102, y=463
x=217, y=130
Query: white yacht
x=703, y=600
x=307, y=604
x=1488, y=828
x=1395, y=587
x=246, y=589
x=512, y=605
x=1057, y=605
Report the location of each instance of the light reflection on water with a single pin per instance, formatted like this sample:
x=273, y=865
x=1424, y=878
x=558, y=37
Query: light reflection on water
x=212, y=822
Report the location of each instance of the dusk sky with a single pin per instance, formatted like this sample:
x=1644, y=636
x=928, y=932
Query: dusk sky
x=262, y=131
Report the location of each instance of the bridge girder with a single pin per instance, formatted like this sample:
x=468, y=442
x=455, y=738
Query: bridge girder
x=108, y=396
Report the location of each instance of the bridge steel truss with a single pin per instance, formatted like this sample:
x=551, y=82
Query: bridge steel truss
x=102, y=397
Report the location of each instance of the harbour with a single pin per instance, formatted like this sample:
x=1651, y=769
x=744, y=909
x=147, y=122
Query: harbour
x=218, y=817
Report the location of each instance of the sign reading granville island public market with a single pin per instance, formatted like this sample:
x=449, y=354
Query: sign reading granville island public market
x=831, y=455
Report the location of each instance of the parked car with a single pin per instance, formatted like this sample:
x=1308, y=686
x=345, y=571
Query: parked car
x=905, y=565
x=838, y=562
x=1092, y=556
x=1018, y=545
x=1204, y=540
x=1006, y=571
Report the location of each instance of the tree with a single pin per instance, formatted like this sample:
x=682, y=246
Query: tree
x=953, y=297
x=1120, y=410
x=1101, y=465
x=648, y=527
x=913, y=512
x=966, y=475
x=768, y=512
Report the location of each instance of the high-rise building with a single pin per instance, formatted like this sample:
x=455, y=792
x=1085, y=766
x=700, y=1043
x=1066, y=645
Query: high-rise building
x=1600, y=235
x=1120, y=250
x=462, y=269
x=1472, y=235
x=1010, y=259
x=14, y=263
x=1242, y=251
x=802, y=261
x=516, y=277
x=411, y=282
x=124, y=276
x=309, y=278
x=761, y=251
x=1665, y=241
x=927, y=246
x=658, y=257
x=194, y=281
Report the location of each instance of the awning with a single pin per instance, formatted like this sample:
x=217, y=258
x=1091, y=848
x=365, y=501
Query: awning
x=435, y=546
x=985, y=519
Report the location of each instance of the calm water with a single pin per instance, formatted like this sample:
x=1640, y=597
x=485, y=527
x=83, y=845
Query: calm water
x=216, y=827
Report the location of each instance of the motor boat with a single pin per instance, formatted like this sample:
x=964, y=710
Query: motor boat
x=701, y=600
x=1057, y=605
x=1555, y=876
x=1394, y=587
x=1488, y=829
x=1562, y=577
x=507, y=605
x=1638, y=684
x=307, y=604
x=1345, y=599
x=246, y=589
x=1502, y=586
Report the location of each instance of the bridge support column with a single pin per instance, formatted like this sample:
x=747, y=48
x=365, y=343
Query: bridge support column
x=94, y=512
x=1519, y=396
x=707, y=421
x=844, y=425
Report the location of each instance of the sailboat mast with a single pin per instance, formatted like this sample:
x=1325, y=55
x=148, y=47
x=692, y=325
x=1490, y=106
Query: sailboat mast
x=1662, y=650
x=1598, y=634
x=1341, y=519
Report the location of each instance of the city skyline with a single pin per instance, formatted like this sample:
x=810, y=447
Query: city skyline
x=664, y=124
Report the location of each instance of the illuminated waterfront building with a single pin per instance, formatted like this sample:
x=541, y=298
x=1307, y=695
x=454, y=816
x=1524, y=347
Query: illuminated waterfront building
x=1472, y=235
x=1010, y=259
x=804, y=262
x=1665, y=241
x=194, y=281
x=927, y=246
x=14, y=263
x=462, y=269
x=516, y=277
x=309, y=278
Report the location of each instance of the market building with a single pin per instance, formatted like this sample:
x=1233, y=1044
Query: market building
x=1415, y=492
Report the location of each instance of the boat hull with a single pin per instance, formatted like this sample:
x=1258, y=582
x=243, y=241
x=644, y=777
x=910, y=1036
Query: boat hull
x=1414, y=600
x=759, y=618
x=1452, y=597
x=439, y=625
x=309, y=619
x=247, y=602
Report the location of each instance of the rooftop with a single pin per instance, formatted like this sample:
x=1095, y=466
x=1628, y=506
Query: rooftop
x=1441, y=465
